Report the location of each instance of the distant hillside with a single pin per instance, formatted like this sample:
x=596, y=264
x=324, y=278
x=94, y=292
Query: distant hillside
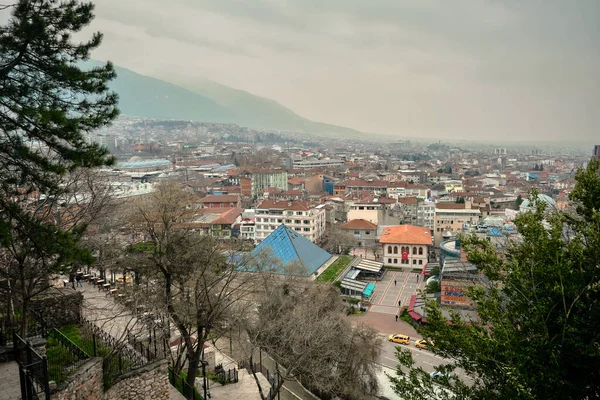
x=152, y=98
x=262, y=113
x=207, y=101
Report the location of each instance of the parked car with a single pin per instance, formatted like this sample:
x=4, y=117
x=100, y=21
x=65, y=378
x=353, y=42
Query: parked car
x=402, y=339
x=421, y=344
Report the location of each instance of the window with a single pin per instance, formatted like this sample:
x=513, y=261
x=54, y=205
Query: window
x=389, y=260
x=297, y=221
x=296, y=229
x=390, y=250
x=420, y=251
x=414, y=261
x=395, y=249
x=306, y=222
x=395, y=261
x=357, y=232
x=367, y=232
x=361, y=208
x=414, y=250
x=306, y=229
x=420, y=262
x=288, y=221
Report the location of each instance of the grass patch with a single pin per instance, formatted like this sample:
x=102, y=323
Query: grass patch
x=334, y=269
x=59, y=361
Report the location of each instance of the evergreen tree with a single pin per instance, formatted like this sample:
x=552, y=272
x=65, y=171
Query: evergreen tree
x=536, y=336
x=47, y=104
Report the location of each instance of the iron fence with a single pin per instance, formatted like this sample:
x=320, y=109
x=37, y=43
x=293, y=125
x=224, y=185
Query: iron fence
x=225, y=376
x=179, y=383
x=36, y=327
x=33, y=370
x=118, y=357
x=67, y=359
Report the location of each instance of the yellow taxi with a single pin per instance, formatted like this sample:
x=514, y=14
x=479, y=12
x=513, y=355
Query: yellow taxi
x=402, y=339
x=421, y=344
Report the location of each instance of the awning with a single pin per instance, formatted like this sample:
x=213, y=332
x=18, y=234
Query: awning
x=351, y=284
x=369, y=290
x=368, y=265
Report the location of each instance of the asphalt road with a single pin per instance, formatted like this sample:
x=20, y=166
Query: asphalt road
x=423, y=358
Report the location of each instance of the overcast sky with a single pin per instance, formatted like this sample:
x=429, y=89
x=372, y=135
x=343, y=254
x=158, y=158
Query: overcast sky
x=474, y=69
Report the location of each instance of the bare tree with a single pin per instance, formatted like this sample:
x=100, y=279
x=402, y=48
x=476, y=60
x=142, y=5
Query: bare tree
x=302, y=326
x=199, y=286
x=339, y=241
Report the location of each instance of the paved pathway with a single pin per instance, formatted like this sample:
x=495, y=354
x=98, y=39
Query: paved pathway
x=10, y=387
x=395, y=287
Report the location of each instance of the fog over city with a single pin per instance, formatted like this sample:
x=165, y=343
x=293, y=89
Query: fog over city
x=505, y=70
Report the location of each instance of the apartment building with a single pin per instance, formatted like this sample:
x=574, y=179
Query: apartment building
x=426, y=214
x=409, y=207
x=397, y=190
x=372, y=209
x=450, y=218
x=261, y=180
x=300, y=216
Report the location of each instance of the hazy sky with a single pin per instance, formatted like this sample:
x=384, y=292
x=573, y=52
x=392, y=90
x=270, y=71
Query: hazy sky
x=476, y=69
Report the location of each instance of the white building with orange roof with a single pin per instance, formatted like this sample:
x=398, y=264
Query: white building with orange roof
x=406, y=246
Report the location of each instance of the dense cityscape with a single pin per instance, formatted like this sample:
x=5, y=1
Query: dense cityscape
x=147, y=253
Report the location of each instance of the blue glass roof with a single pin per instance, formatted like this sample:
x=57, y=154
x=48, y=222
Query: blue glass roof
x=289, y=246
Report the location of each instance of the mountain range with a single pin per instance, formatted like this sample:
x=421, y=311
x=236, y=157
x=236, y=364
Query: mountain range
x=207, y=101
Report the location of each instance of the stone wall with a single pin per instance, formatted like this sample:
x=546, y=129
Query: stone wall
x=148, y=382
x=86, y=383
x=58, y=306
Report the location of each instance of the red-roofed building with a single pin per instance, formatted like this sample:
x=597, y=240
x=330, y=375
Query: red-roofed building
x=222, y=226
x=406, y=245
x=222, y=201
x=363, y=230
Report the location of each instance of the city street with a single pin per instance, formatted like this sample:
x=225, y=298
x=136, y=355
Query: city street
x=423, y=358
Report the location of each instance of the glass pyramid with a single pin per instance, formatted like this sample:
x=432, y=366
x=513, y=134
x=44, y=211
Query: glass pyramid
x=289, y=246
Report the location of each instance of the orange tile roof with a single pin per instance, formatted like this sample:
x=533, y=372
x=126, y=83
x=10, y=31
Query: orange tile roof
x=406, y=234
x=229, y=217
x=358, y=224
x=407, y=200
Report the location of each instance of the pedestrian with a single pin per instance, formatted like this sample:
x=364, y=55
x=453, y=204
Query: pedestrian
x=396, y=317
x=72, y=280
x=78, y=280
x=394, y=282
x=417, y=278
x=399, y=303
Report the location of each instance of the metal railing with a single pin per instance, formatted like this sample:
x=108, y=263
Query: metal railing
x=36, y=327
x=182, y=386
x=33, y=370
x=226, y=376
x=118, y=357
x=64, y=363
x=273, y=377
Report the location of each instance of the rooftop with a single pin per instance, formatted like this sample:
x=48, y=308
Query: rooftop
x=406, y=234
x=358, y=224
x=290, y=247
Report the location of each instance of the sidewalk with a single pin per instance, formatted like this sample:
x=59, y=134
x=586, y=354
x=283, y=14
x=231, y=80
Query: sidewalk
x=385, y=324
